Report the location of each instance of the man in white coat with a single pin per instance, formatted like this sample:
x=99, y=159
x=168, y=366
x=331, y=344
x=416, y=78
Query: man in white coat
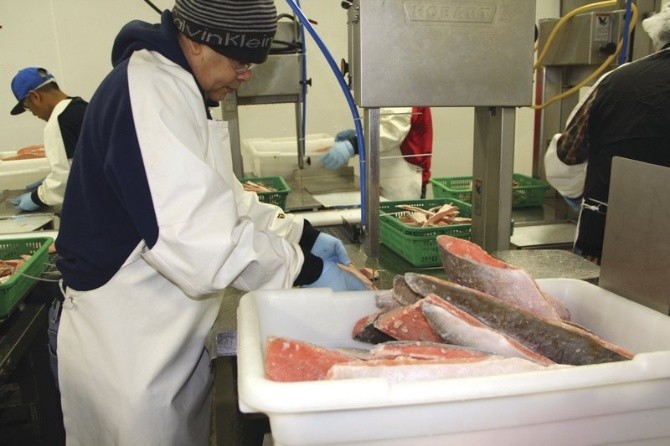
x=37, y=91
x=155, y=224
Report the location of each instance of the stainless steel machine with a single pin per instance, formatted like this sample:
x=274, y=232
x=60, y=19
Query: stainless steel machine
x=580, y=46
x=447, y=53
x=636, y=254
x=277, y=81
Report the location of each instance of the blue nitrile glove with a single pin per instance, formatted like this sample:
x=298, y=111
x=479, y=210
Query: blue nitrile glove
x=34, y=185
x=338, y=155
x=345, y=135
x=337, y=279
x=24, y=202
x=328, y=247
x=574, y=203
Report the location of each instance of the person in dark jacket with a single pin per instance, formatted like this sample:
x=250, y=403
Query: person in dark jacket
x=155, y=226
x=627, y=114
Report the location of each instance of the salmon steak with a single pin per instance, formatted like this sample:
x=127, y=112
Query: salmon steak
x=560, y=342
x=290, y=360
x=469, y=265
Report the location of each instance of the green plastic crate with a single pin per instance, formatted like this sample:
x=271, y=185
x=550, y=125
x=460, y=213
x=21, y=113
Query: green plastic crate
x=279, y=197
x=418, y=245
x=15, y=289
x=530, y=191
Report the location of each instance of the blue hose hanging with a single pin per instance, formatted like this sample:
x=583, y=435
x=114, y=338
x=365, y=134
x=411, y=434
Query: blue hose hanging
x=303, y=77
x=347, y=94
x=626, y=31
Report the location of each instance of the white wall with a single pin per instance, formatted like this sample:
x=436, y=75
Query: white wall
x=73, y=39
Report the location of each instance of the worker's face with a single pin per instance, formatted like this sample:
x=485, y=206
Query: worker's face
x=35, y=104
x=216, y=74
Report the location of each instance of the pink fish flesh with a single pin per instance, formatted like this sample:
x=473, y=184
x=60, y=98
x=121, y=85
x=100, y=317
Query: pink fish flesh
x=406, y=324
x=290, y=360
x=469, y=265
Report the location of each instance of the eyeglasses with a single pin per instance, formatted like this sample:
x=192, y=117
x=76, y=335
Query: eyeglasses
x=240, y=68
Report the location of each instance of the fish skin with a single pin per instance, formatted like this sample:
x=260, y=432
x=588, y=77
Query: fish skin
x=469, y=265
x=458, y=327
x=385, y=300
x=423, y=350
x=402, y=293
x=408, y=370
x=560, y=342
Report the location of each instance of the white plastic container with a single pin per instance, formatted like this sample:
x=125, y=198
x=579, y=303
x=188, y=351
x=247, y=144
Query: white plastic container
x=279, y=156
x=623, y=402
x=17, y=174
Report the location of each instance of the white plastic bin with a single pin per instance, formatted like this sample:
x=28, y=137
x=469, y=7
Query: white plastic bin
x=279, y=156
x=623, y=402
x=17, y=174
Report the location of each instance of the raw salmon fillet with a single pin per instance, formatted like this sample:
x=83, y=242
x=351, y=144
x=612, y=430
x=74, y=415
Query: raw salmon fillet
x=423, y=350
x=365, y=331
x=559, y=341
x=406, y=324
x=407, y=370
x=290, y=360
x=458, y=327
x=469, y=265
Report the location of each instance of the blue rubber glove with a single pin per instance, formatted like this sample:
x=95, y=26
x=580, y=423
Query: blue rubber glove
x=34, y=185
x=24, y=202
x=328, y=247
x=333, y=277
x=574, y=203
x=345, y=135
x=338, y=155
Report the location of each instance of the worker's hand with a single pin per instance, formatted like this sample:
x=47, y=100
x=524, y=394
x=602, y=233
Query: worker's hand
x=338, y=155
x=345, y=135
x=337, y=279
x=328, y=247
x=32, y=186
x=574, y=203
x=24, y=202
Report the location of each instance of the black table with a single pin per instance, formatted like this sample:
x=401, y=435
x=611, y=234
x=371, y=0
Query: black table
x=30, y=411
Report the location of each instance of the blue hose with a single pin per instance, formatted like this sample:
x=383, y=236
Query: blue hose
x=626, y=29
x=347, y=94
x=303, y=74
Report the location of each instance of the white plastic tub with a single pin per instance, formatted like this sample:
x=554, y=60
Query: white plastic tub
x=17, y=174
x=279, y=156
x=625, y=402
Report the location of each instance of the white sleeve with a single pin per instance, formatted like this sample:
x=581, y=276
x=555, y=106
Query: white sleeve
x=52, y=189
x=568, y=180
x=207, y=239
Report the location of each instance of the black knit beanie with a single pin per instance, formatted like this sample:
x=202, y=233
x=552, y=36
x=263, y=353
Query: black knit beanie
x=242, y=30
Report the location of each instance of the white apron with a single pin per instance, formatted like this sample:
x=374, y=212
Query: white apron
x=399, y=180
x=133, y=368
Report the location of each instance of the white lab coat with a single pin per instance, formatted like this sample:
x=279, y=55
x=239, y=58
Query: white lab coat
x=52, y=189
x=133, y=368
x=398, y=179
